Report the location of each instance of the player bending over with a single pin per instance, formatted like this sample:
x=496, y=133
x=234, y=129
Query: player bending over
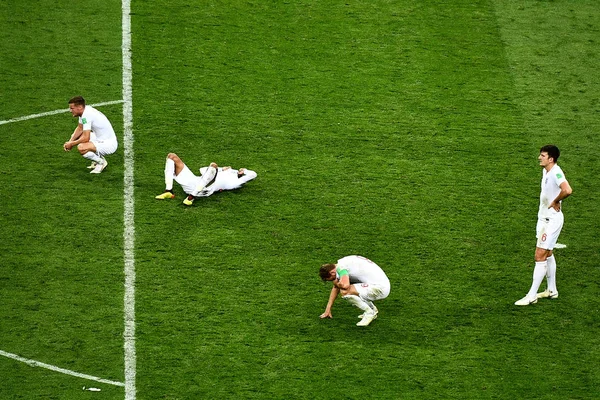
x=360, y=281
x=212, y=179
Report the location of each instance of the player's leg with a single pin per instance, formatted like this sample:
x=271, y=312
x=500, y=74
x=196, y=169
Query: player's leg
x=540, y=268
x=352, y=295
x=551, y=292
x=96, y=151
x=173, y=167
x=553, y=231
x=88, y=150
x=208, y=177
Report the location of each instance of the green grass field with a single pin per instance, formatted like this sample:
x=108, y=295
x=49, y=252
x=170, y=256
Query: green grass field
x=404, y=131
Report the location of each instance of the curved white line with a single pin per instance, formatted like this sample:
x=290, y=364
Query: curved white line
x=34, y=363
x=61, y=111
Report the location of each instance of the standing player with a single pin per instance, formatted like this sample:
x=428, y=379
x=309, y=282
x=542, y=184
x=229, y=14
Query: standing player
x=360, y=281
x=94, y=135
x=212, y=179
x=555, y=188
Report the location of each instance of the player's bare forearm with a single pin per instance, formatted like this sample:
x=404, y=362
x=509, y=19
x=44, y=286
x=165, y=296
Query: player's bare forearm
x=332, y=296
x=565, y=191
x=76, y=133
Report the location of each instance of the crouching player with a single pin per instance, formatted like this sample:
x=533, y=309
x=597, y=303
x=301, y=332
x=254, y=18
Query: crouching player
x=360, y=281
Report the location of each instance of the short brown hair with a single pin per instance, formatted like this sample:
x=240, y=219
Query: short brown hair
x=552, y=150
x=325, y=271
x=78, y=101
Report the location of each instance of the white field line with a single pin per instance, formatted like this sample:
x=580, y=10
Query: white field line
x=61, y=111
x=128, y=208
x=34, y=363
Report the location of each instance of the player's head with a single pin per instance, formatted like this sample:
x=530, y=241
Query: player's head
x=552, y=151
x=76, y=106
x=325, y=272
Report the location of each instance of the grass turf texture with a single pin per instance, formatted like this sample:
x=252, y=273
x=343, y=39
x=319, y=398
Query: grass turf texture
x=402, y=131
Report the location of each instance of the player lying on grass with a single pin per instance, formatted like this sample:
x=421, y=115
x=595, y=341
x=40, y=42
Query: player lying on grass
x=94, y=135
x=360, y=281
x=212, y=179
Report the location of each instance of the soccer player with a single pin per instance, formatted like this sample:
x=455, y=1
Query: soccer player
x=360, y=281
x=212, y=179
x=94, y=135
x=555, y=188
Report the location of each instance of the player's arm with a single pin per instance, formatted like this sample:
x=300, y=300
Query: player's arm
x=77, y=133
x=247, y=176
x=335, y=291
x=343, y=282
x=78, y=136
x=565, y=191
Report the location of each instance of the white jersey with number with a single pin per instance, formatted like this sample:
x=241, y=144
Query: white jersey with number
x=362, y=270
x=93, y=120
x=551, y=181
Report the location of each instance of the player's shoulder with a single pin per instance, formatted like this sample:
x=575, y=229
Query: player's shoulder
x=89, y=111
x=557, y=172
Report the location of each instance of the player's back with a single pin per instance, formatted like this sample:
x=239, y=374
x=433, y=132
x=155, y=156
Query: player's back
x=361, y=269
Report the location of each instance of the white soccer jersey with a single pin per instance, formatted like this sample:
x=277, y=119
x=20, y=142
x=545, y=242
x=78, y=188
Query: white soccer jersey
x=362, y=270
x=551, y=181
x=226, y=180
x=93, y=120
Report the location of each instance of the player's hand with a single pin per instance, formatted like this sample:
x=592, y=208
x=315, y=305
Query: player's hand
x=326, y=314
x=67, y=146
x=555, y=205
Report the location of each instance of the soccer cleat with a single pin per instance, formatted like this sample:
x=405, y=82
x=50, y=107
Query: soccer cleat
x=525, y=301
x=165, y=195
x=367, y=319
x=99, y=167
x=546, y=294
x=188, y=201
x=92, y=165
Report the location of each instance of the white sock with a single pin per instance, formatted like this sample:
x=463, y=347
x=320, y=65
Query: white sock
x=169, y=174
x=90, y=155
x=551, y=274
x=539, y=273
x=371, y=305
x=358, y=302
x=205, y=179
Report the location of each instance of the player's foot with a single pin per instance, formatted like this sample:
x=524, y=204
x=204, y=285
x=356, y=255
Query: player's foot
x=367, y=319
x=165, y=195
x=99, y=167
x=547, y=294
x=92, y=165
x=525, y=301
x=188, y=201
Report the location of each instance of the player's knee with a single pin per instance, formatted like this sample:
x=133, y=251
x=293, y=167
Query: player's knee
x=82, y=148
x=214, y=165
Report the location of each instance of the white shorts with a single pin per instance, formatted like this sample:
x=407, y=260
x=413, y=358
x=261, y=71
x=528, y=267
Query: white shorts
x=105, y=147
x=372, y=291
x=547, y=231
x=188, y=181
